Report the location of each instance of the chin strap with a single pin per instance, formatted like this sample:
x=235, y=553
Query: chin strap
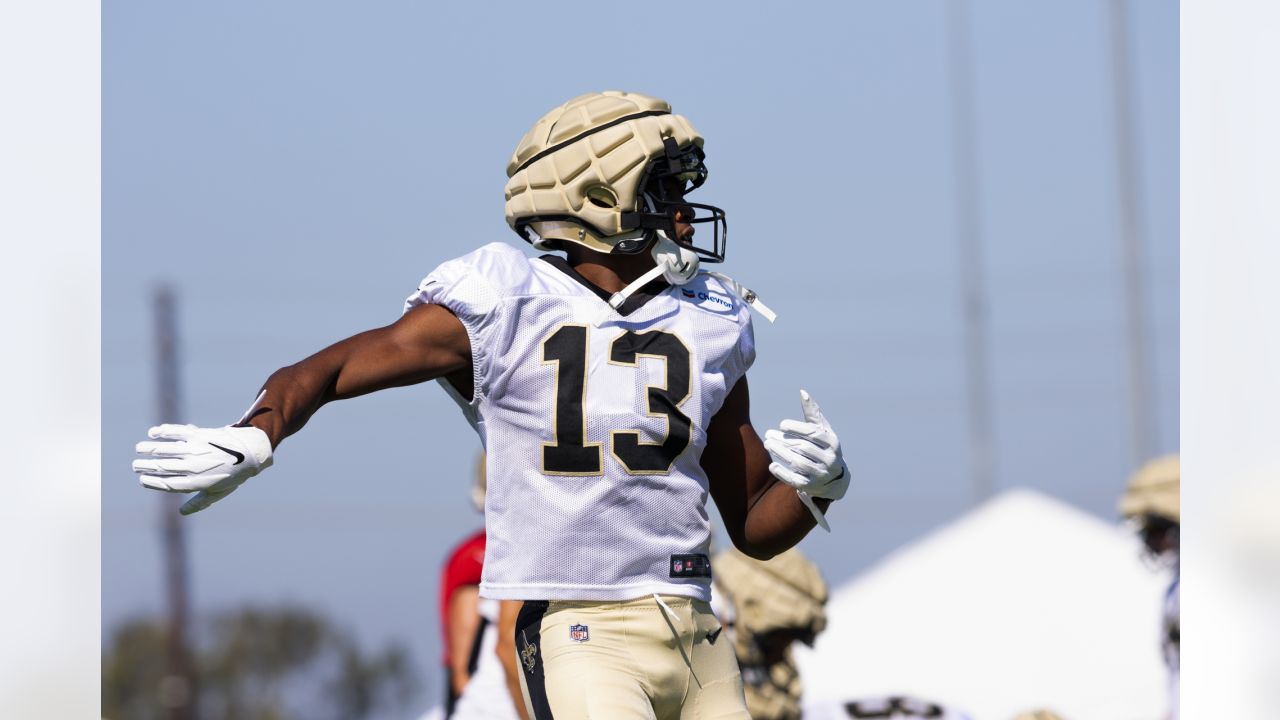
x=616, y=300
x=678, y=265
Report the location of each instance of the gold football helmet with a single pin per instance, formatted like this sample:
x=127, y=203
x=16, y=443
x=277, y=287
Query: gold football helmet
x=599, y=170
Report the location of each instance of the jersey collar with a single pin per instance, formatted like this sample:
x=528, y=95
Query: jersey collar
x=633, y=303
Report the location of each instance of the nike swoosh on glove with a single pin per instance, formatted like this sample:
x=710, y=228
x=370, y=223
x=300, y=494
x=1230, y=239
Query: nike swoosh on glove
x=806, y=454
x=211, y=462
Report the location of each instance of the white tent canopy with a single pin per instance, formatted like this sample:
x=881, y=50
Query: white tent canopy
x=1023, y=603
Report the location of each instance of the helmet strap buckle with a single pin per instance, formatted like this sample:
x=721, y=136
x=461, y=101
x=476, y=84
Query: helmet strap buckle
x=672, y=150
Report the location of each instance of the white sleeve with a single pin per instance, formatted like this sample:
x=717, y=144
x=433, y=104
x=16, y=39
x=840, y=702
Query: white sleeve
x=475, y=288
x=747, y=345
x=458, y=286
x=744, y=353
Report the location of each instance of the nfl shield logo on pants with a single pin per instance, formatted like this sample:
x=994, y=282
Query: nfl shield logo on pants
x=579, y=633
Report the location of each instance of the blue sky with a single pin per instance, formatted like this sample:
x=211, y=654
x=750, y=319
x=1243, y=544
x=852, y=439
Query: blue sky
x=294, y=168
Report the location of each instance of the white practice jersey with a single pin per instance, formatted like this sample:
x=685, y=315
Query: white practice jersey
x=487, y=695
x=593, y=423
x=881, y=708
x=1171, y=631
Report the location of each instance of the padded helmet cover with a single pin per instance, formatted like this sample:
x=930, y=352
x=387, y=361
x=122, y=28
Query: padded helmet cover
x=583, y=165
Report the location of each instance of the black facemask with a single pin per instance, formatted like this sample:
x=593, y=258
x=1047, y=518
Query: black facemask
x=688, y=168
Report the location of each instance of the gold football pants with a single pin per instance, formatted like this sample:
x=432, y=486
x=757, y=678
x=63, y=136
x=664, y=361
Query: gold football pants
x=634, y=660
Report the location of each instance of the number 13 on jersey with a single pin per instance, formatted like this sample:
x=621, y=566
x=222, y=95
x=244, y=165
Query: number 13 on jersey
x=571, y=454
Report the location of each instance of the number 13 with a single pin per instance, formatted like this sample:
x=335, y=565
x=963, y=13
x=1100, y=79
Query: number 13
x=570, y=454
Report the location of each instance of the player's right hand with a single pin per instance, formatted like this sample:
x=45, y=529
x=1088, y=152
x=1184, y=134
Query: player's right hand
x=806, y=454
x=211, y=462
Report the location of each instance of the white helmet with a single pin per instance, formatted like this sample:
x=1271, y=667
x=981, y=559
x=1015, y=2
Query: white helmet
x=588, y=173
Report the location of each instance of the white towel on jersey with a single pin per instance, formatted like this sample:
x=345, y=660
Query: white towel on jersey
x=881, y=708
x=592, y=433
x=486, y=696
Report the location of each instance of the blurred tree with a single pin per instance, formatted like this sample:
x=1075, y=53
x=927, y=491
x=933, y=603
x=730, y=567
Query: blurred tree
x=257, y=664
x=133, y=671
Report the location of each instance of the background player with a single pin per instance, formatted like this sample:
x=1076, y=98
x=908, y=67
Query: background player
x=462, y=624
x=768, y=605
x=609, y=390
x=1152, y=501
x=488, y=695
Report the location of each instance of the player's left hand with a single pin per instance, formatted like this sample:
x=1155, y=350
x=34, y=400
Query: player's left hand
x=806, y=454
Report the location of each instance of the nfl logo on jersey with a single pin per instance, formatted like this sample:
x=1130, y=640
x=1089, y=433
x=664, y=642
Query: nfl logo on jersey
x=677, y=566
x=579, y=633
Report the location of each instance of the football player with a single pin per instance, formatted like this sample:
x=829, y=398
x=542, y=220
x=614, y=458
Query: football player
x=765, y=608
x=487, y=695
x=1152, y=502
x=608, y=387
x=464, y=623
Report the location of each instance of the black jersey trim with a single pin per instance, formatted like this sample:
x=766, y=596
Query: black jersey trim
x=450, y=697
x=473, y=659
x=634, y=302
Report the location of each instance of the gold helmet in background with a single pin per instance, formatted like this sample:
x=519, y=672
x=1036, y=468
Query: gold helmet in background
x=785, y=592
x=774, y=603
x=1154, y=490
x=597, y=171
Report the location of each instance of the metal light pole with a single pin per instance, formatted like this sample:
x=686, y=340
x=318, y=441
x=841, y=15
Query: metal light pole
x=1132, y=235
x=177, y=692
x=969, y=232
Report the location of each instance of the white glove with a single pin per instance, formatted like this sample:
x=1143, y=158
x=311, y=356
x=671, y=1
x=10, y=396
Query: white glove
x=211, y=462
x=806, y=455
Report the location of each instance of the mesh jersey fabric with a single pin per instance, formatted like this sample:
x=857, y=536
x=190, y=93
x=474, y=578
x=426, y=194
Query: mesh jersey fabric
x=583, y=532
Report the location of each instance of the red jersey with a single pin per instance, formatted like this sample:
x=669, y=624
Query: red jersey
x=462, y=568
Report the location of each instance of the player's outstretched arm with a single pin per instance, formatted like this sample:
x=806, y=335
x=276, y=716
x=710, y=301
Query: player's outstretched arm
x=426, y=343
x=763, y=514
